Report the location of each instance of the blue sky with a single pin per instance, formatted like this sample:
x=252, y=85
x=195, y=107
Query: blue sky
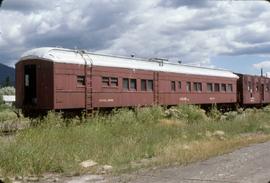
x=241, y=64
x=225, y=34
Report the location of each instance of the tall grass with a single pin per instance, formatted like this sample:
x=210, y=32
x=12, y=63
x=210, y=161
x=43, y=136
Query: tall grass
x=120, y=138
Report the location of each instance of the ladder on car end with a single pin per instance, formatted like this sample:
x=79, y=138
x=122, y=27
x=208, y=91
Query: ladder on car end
x=88, y=74
x=156, y=88
x=88, y=89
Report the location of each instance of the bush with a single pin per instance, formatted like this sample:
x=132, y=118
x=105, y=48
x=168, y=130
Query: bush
x=149, y=114
x=9, y=90
x=189, y=113
x=266, y=108
x=120, y=138
x=214, y=113
x=230, y=115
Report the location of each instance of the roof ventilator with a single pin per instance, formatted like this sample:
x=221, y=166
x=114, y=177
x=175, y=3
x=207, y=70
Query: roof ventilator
x=159, y=60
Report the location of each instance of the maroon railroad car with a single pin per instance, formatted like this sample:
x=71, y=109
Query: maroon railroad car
x=59, y=79
x=253, y=90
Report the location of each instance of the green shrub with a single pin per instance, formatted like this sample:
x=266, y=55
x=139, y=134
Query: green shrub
x=266, y=108
x=230, y=115
x=9, y=90
x=189, y=113
x=214, y=113
x=149, y=114
x=117, y=139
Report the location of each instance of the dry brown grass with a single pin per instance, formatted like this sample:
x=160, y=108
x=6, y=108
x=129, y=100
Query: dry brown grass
x=171, y=122
x=183, y=153
x=128, y=140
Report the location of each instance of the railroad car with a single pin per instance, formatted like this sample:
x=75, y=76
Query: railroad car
x=63, y=79
x=253, y=90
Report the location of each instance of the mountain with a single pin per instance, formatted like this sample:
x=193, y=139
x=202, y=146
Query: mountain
x=7, y=75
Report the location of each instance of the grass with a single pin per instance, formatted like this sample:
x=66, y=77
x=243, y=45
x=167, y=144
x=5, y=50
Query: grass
x=125, y=137
x=6, y=114
x=9, y=122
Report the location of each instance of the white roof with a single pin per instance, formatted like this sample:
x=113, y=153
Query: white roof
x=61, y=55
x=9, y=98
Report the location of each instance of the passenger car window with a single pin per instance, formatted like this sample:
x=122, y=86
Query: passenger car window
x=223, y=87
x=105, y=81
x=125, y=83
x=216, y=87
x=150, y=86
x=230, y=88
x=197, y=86
x=209, y=87
x=133, y=84
x=188, y=86
x=143, y=85
x=114, y=82
x=173, y=88
x=81, y=80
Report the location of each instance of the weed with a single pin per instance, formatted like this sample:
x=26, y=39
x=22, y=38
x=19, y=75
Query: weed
x=180, y=134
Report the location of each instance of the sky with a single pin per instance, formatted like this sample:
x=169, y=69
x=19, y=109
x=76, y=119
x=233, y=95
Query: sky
x=229, y=34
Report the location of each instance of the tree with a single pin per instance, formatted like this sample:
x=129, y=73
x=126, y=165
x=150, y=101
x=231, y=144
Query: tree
x=10, y=90
x=1, y=1
x=7, y=82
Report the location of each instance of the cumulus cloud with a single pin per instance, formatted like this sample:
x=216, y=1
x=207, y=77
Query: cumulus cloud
x=191, y=31
x=264, y=65
x=177, y=3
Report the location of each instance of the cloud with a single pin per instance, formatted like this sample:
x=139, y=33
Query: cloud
x=187, y=30
x=26, y=5
x=189, y=3
x=264, y=65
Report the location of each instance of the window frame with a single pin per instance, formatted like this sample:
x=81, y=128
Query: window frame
x=148, y=85
x=216, y=87
x=26, y=80
x=188, y=86
x=143, y=85
x=112, y=82
x=179, y=85
x=229, y=88
x=105, y=79
x=197, y=86
x=249, y=86
x=125, y=81
x=129, y=88
x=211, y=87
x=80, y=80
x=131, y=82
x=173, y=86
x=223, y=87
x=150, y=89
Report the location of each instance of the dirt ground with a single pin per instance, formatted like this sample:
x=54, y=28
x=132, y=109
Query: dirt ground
x=247, y=165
